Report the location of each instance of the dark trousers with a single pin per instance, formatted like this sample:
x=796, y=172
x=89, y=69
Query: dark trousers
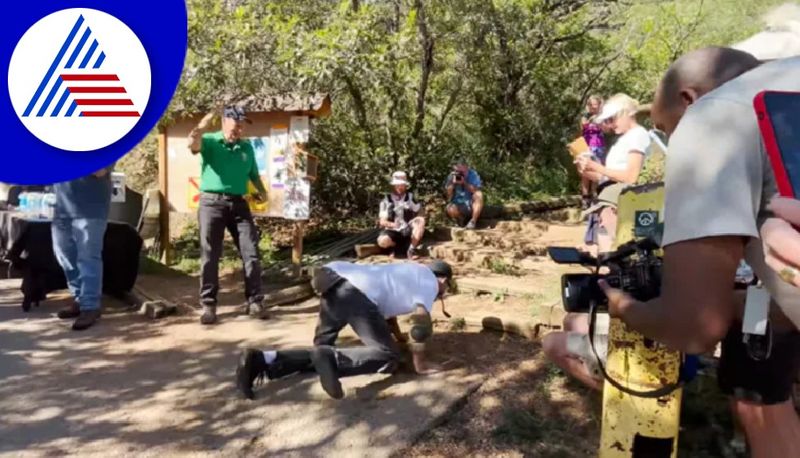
x=341, y=305
x=217, y=213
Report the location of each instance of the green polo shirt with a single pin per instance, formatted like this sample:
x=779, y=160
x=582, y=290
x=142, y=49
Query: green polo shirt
x=226, y=168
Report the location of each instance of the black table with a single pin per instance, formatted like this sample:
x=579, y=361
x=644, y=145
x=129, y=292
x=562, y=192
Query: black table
x=27, y=245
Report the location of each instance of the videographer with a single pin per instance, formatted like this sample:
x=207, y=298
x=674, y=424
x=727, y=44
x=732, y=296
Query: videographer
x=781, y=239
x=400, y=219
x=718, y=183
x=464, y=195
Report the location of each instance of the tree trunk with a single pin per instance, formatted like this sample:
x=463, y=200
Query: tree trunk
x=427, y=42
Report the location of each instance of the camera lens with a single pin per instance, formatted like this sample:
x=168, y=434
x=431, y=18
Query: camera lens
x=579, y=290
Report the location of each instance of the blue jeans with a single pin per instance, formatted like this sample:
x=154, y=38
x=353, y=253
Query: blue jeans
x=78, y=246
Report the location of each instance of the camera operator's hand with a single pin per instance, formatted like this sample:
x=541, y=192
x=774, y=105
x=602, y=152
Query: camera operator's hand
x=618, y=300
x=782, y=240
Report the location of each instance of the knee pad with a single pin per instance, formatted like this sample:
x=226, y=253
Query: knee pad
x=421, y=328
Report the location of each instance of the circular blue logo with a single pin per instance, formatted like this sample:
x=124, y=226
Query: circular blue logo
x=87, y=81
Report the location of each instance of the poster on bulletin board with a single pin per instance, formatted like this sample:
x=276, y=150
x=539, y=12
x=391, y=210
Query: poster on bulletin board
x=283, y=166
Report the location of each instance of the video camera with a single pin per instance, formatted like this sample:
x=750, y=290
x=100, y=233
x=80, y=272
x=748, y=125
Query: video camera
x=633, y=267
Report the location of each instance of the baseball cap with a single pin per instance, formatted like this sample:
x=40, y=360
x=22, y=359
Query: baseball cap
x=236, y=113
x=441, y=269
x=399, y=178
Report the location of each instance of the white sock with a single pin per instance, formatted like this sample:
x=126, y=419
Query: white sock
x=269, y=356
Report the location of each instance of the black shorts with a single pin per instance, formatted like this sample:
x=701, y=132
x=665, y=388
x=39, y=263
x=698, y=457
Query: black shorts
x=766, y=382
x=398, y=237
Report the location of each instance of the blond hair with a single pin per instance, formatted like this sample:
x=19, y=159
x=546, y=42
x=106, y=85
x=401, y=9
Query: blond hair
x=628, y=105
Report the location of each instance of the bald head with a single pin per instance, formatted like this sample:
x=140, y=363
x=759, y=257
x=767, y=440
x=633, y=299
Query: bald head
x=693, y=75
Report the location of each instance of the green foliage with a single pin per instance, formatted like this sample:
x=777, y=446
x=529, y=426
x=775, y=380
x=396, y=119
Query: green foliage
x=519, y=426
x=186, y=249
x=457, y=324
x=501, y=267
x=141, y=165
x=266, y=249
x=417, y=83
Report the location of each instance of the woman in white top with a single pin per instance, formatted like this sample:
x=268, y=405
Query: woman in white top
x=623, y=163
x=569, y=349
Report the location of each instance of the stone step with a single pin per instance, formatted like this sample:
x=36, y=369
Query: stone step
x=532, y=228
x=564, y=215
x=520, y=260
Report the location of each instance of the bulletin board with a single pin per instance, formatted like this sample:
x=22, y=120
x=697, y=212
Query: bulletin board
x=285, y=168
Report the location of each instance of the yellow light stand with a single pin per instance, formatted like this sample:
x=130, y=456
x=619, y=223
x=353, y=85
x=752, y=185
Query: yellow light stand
x=634, y=426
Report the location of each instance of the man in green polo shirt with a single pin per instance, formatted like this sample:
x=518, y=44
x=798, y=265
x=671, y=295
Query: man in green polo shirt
x=227, y=164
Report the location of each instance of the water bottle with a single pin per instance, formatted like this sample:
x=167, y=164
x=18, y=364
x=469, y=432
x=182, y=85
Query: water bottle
x=50, y=205
x=35, y=204
x=23, y=203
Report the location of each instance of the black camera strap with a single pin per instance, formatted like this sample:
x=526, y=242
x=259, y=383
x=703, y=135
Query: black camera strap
x=657, y=393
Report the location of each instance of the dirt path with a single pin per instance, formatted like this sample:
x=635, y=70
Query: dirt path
x=132, y=386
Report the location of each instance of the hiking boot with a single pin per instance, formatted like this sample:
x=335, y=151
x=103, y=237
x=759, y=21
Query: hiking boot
x=257, y=309
x=209, y=315
x=86, y=319
x=324, y=360
x=470, y=225
x=252, y=370
x=69, y=312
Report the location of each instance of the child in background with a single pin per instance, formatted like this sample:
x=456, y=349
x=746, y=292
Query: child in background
x=593, y=134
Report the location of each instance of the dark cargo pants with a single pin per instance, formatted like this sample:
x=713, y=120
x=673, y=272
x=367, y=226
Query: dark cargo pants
x=343, y=304
x=219, y=212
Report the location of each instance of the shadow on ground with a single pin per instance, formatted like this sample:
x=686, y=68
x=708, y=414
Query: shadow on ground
x=132, y=386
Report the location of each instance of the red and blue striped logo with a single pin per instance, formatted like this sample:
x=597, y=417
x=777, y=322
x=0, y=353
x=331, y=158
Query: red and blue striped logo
x=78, y=84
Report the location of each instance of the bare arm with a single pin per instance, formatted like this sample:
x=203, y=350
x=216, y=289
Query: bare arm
x=394, y=326
x=255, y=178
x=697, y=300
x=421, y=331
x=195, y=139
x=629, y=175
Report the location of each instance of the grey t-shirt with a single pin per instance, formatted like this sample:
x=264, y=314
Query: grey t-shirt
x=718, y=177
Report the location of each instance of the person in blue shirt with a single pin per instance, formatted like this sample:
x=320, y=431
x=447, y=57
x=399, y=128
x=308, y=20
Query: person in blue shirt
x=464, y=195
x=79, y=227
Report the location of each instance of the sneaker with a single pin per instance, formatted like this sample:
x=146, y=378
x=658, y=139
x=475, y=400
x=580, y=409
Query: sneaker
x=324, y=360
x=252, y=370
x=86, y=319
x=412, y=253
x=470, y=225
x=209, y=315
x=257, y=309
x=69, y=312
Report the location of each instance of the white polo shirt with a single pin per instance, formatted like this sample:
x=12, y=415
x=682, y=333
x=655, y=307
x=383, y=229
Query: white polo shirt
x=395, y=288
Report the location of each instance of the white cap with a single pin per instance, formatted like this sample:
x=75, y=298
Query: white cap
x=399, y=178
x=609, y=111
